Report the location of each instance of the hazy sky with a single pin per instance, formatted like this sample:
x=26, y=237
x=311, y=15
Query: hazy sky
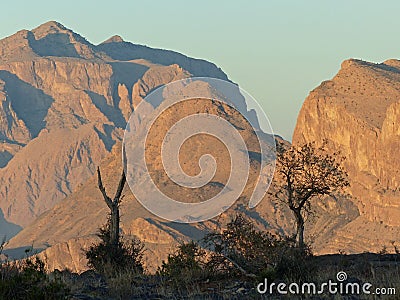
x=276, y=50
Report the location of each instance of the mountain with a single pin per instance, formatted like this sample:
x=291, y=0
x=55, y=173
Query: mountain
x=59, y=90
x=72, y=224
x=64, y=106
x=358, y=113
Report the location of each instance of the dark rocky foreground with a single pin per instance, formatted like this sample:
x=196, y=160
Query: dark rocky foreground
x=381, y=270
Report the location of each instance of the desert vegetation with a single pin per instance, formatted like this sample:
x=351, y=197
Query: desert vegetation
x=238, y=253
x=28, y=279
x=307, y=172
x=227, y=263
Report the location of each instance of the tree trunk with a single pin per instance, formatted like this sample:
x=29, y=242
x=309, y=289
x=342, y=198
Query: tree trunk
x=299, y=229
x=114, y=206
x=114, y=225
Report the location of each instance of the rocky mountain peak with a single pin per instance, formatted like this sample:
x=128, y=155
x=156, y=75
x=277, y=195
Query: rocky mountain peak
x=48, y=39
x=353, y=62
x=393, y=63
x=54, y=39
x=114, y=39
x=51, y=27
x=56, y=86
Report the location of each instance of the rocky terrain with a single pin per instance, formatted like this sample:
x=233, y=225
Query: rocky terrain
x=65, y=103
x=59, y=90
x=358, y=113
x=71, y=225
x=82, y=96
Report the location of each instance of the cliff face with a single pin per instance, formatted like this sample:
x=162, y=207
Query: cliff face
x=59, y=90
x=358, y=113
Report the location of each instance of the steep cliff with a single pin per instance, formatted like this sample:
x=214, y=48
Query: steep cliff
x=357, y=112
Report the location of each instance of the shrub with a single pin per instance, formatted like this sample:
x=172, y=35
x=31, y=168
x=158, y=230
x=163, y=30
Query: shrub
x=128, y=284
x=28, y=280
x=185, y=266
x=108, y=259
x=293, y=263
x=241, y=249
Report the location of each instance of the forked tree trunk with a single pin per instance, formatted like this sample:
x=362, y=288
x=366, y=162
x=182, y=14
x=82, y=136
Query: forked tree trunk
x=114, y=225
x=114, y=206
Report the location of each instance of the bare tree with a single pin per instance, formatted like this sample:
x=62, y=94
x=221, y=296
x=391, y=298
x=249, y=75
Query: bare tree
x=112, y=254
x=307, y=172
x=113, y=204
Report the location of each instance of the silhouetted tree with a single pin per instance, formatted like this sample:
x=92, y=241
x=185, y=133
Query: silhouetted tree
x=112, y=254
x=113, y=204
x=307, y=172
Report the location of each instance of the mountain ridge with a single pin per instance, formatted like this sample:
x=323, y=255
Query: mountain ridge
x=54, y=82
x=75, y=98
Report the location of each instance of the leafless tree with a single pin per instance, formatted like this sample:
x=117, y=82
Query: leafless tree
x=307, y=172
x=113, y=204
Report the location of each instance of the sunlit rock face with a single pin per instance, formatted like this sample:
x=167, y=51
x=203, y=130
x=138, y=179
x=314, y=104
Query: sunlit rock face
x=64, y=103
x=358, y=113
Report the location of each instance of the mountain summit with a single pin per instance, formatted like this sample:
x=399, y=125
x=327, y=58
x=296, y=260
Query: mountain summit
x=114, y=39
x=48, y=39
x=65, y=103
x=51, y=27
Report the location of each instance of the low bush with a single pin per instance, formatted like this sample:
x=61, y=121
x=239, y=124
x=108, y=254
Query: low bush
x=109, y=260
x=187, y=265
x=241, y=249
x=28, y=280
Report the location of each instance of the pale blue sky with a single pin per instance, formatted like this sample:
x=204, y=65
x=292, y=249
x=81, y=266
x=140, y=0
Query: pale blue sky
x=276, y=50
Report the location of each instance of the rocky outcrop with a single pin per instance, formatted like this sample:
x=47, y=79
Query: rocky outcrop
x=357, y=112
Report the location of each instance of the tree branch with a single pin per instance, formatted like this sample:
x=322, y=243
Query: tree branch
x=120, y=188
x=243, y=271
x=103, y=190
